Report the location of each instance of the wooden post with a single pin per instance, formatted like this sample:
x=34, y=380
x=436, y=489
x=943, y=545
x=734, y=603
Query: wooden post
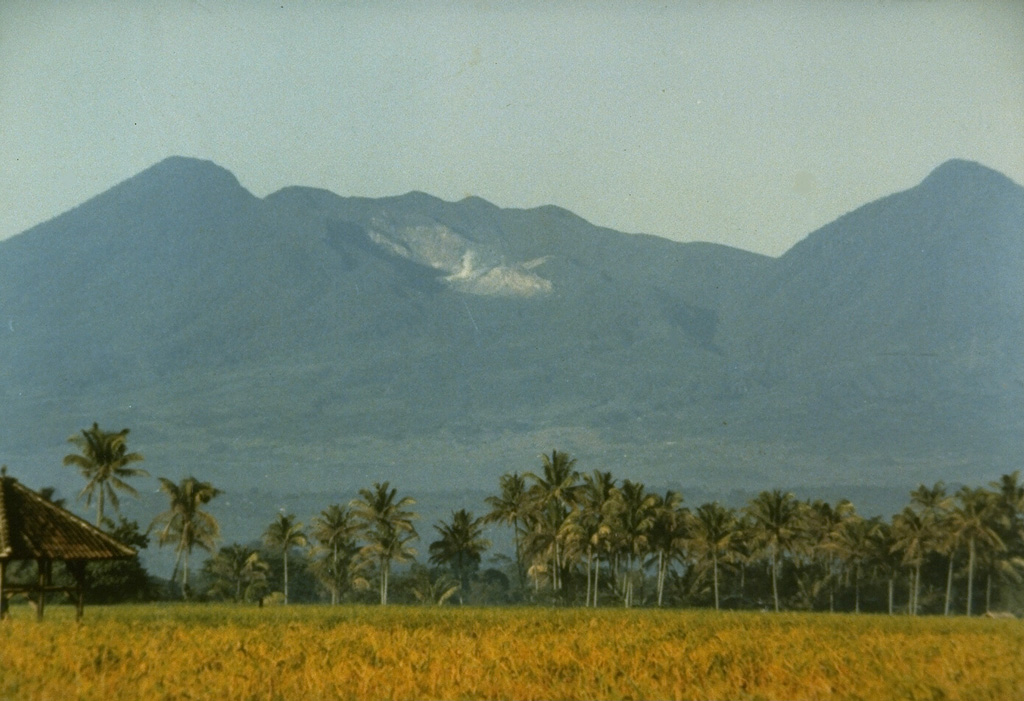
x=77, y=568
x=3, y=596
x=41, y=564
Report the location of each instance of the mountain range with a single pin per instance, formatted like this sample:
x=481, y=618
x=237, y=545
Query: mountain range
x=306, y=341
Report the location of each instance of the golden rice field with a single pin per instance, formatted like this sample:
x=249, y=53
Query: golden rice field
x=317, y=652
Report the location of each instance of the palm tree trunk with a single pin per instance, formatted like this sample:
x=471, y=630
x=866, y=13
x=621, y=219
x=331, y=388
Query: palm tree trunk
x=184, y=576
x=949, y=584
x=597, y=577
x=917, y=587
x=555, y=584
x=775, y=583
x=286, y=576
x=590, y=557
x=714, y=566
x=99, y=509
x=831, y=585
x=988, y=592
x=892, y=587
x=334, y=585
x=519, y=553
x=856, y=590
x=629, y=580
x=661, y=576
x=613, y=569
x=970, y=574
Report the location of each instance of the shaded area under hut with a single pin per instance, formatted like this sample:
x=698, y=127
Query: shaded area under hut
x=32, y=528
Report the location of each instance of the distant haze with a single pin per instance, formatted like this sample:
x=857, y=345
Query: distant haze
x=743, y=124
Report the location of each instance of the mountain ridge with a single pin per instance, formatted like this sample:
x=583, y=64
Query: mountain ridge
x=432, y=342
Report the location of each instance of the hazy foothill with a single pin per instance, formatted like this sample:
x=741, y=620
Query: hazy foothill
x=297, y=348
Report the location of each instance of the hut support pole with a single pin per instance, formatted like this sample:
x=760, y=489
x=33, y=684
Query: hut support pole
x=41, y=589
x=3, y=596
x=77, y=568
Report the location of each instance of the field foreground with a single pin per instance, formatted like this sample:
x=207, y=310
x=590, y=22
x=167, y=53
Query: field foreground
x=307, y=652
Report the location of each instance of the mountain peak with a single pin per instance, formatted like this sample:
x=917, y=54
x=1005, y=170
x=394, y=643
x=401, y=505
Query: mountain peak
x=196, y=170
x=959, y=172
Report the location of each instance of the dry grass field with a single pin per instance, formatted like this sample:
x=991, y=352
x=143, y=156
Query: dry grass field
x=316, y=652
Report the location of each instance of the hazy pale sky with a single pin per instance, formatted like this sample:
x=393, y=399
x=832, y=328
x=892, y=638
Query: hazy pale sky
x=749, y=124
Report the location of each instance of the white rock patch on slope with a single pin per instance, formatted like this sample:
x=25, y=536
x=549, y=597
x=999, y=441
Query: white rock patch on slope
x=470, y=267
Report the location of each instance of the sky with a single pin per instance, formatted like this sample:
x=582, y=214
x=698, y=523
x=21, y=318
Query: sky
x=747, y=124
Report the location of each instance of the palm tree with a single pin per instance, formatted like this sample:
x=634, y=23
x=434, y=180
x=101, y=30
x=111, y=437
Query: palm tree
x=283, y=534
x=711, y=530
x=104, y=462
x=912, y=535
x=931, y=501
x=1007, y=563
x=386, y=524
x=236, y=571
x=884, y=559
x=1010, y=499
x=631, y=510
x=775, y=520
x=511, y=508
x=742, y=550
x=335, y=531
x=589, y=527
x=460, y=546
x=552, y=495
x=974, y=521
x=933, y=504
x=185, y=523
x=822, y=526
x=668, y=535
x=430, y=590
x=854, y=546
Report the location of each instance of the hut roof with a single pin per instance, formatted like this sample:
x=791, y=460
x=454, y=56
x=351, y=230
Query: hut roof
x=32, y=527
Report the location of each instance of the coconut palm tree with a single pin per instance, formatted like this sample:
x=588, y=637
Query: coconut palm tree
x=185, y=523
x=884, y=560
x=432, y=590
x=459, y=547
x=589, y=527
x=822, y=526
x=104, y=461
x=974, y=520
x=742, y=550
x=775, y=518
x=283, y=534
x=552, y=496
x=236, y=571
x=1010, y=500
x=854, y=546
x=335, y=531
x=912, y=538
x=931, y=501
x=386, y=525
x=510, y=508
x=710, y=532
x=631, y=511
x=1007, y=563
x=668, y=535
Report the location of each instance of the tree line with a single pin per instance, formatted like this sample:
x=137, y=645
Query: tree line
x=592, y=539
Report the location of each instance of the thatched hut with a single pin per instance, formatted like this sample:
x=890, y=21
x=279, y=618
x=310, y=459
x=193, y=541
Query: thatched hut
x=34, y=528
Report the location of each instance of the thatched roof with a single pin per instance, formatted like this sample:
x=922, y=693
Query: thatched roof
x=32, y=528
